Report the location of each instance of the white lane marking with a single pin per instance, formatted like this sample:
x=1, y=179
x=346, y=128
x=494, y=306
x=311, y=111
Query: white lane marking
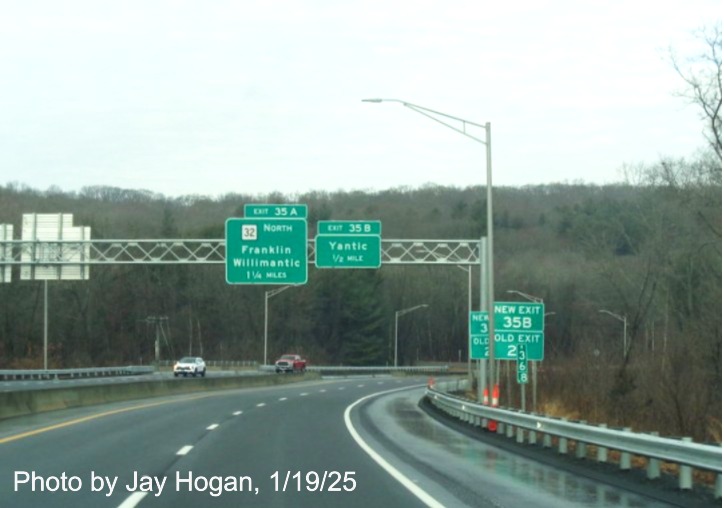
x=322, y=391
x=340, y=388
x=237, y=413
x=391, y=470
x=184, y=450
x=304, y=394
x=282, y=399
x=132, y=500
x=380, y=382
x=212, y=426
x=360, y=386
x=261, y=404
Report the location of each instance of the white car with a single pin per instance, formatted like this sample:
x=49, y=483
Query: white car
x=193, y=365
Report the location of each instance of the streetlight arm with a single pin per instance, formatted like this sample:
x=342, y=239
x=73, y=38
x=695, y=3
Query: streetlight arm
x=430, y=112
x=274, y=292
x=406, y=311
x=532, y=298
x=620, y=318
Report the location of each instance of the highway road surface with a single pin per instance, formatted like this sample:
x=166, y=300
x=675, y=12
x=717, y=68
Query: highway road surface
x=361, y=442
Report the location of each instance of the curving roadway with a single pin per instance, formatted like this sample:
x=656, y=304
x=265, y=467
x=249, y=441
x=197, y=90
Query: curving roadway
x=343, y=442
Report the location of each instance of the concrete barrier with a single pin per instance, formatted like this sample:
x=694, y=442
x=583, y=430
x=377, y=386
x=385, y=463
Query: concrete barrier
x=20, y=403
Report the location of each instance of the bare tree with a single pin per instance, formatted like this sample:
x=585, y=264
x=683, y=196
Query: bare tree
x=702, y=75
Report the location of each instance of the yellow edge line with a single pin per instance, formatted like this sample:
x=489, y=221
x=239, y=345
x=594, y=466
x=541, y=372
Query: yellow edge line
x=94, y=417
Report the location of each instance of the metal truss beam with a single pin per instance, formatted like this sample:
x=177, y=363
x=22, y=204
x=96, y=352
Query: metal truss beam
x=185, y=251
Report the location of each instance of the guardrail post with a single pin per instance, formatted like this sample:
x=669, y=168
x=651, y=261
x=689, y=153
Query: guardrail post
x=500, y=427
x=581, y=446
x=625, y=462
x=532, y=437
x=653, y=468
x=685, y=472
x=547, y=441
x=602, y=451
x=717, y=487
x=509, y=429
x=563, y=442
x=520, y=435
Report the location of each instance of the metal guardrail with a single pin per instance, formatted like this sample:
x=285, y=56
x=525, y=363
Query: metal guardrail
x=39, y=374
x=216, y=363
x=347, y=370
x=131, y=370
x=331, y=369
x=655, y=449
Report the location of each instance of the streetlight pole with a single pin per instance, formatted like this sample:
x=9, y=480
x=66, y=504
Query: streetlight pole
x=399, y=313
x=267, y=295
x=625, y=322
x=469, y=269
x=486, y=291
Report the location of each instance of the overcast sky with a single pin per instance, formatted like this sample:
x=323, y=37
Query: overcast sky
x=209, y=97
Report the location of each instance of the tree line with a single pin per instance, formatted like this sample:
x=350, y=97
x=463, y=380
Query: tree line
x=649, y=250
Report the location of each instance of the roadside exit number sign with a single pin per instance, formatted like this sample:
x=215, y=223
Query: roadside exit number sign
x=348, y=244
x=266, y=251
x=516, y=323
x=282, y=211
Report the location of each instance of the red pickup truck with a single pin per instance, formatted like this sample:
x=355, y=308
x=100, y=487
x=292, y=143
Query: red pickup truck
x=291, y=363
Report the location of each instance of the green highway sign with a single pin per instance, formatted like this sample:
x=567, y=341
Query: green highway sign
x=478, y=335
x=519, y=323
x=348, y=251
x=515, y=323
x=348, y=244
x=252, y=211
x=266, y=251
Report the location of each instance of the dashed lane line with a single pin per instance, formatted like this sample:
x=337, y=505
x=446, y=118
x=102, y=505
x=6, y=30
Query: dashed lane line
x=184, y=450
x=132, y=500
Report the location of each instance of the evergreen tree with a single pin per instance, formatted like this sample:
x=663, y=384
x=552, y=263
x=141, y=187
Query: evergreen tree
x=362, y=338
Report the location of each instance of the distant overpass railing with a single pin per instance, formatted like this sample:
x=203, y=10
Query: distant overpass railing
x=527, y=428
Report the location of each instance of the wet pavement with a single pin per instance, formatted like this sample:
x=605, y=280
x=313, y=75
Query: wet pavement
x=460, y=471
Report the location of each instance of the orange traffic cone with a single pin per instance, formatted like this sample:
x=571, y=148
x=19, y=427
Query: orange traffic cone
x=492, y=424
x=485, y=397
x=430, y=382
